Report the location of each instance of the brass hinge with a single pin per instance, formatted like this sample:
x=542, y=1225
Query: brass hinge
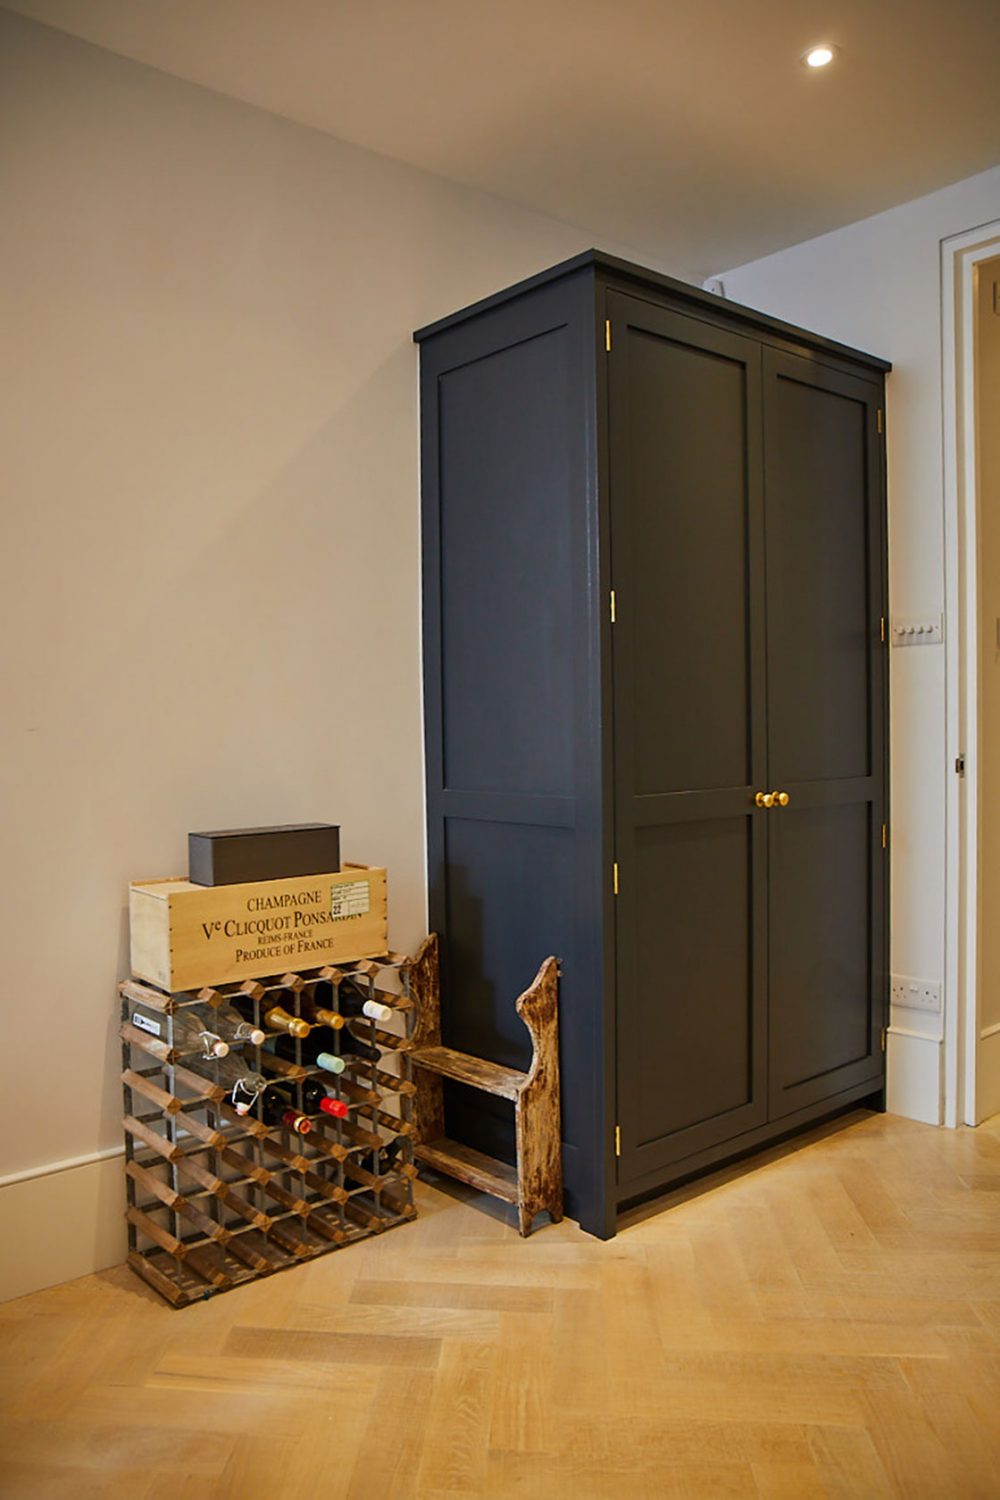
x=885, y=836
x=618, y=1140
x=607, y=339
x=614, y=876
x=883, y=1038
x=878, y=419
x=883, y=630
x=612, y=606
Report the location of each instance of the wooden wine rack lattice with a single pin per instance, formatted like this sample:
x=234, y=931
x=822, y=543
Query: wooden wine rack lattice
x=217, y=1199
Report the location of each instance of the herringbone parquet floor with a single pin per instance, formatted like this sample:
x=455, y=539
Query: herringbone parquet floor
x=825, y=1322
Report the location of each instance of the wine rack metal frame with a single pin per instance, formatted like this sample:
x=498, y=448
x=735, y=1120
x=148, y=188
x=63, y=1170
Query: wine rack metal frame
x=216, y=1199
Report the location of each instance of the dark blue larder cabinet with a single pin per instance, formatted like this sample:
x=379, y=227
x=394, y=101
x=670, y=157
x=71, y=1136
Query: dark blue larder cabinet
x=655, y=698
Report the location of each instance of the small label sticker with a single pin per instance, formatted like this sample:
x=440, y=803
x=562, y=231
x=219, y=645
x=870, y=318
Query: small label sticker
x=145, y=1024
x=351, y=900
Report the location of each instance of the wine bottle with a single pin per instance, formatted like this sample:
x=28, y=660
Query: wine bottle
x=394, y=1149
x=388, y=1041
x=313, y=1006
x=315, y=1098
x=246, y=1091
x=230, y=1025
x=277, y=1108
x=273, y=1017
x=315, y=1052
x=335, y=1107
x=381, y=1161
x=353, y=1046
x=312, y=1090
x=243, y=1083
x=191, y=1034
x=353, y=1002
x=343, y=1043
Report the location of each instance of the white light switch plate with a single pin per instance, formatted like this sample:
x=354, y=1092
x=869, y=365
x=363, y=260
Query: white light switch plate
x=917, y=632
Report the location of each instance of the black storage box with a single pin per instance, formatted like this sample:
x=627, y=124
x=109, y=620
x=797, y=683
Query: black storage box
x=237, y=856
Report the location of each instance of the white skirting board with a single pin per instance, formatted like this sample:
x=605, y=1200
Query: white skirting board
x=61, y=1222
x=67, y=1220
x=914, y=1085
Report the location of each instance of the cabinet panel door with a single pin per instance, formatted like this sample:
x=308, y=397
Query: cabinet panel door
x=688, y=653
x=825, y=730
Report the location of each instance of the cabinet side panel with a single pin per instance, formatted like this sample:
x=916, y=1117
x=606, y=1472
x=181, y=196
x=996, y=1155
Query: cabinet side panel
x=504, y=880
x=512, y=699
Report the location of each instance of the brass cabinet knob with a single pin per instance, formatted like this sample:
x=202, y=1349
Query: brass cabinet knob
x=764, y=799
x=781, y=799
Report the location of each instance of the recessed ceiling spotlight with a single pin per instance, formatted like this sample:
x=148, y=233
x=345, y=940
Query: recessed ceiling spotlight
x=819, y=56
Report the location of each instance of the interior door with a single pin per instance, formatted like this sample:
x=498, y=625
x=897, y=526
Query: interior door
x=826, y=731
x=689, y=733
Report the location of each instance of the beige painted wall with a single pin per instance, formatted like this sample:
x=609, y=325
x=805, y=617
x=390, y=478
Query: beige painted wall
x=209, y=520
x=61, y=1224
x=987, y=356
x=876, y=284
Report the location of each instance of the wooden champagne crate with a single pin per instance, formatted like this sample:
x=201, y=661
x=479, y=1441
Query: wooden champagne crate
x=217, y=1198
x=185, y=935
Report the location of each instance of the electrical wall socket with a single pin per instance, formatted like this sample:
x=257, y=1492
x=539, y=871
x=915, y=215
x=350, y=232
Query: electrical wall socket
x=916, y=994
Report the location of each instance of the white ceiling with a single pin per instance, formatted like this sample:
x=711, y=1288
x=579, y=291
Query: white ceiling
x=687, y=128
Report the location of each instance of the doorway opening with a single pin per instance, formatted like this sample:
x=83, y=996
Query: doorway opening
x=971, y=354
x=986, y=362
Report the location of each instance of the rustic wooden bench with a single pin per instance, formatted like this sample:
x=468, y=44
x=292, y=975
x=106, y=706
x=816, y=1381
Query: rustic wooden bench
x=536, y=1181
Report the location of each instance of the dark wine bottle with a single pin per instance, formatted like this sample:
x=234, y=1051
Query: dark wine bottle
x=315, y=1006
x=315, y=1098
x=312, y=1091
x=384, y=1160
x=353, y=1046
x=276, y=1107
x=341, y=1044
x=335, y=1107
x=317, y=1051
x=353, y=1001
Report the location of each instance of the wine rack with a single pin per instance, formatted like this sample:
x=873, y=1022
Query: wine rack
x=217, y=1198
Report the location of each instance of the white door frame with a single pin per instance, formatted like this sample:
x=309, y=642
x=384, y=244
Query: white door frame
x=960, y=254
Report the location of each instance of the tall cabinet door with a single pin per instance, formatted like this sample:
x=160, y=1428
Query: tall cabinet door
x=688, y=653
x=826, y=731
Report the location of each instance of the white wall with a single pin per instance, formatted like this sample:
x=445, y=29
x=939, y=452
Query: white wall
x=210, y=534
x=876, y=284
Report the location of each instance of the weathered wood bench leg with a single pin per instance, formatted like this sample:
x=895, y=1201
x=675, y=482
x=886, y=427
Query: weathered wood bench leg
x=425, y=989
x=535, y=1095
x=537, y=1109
